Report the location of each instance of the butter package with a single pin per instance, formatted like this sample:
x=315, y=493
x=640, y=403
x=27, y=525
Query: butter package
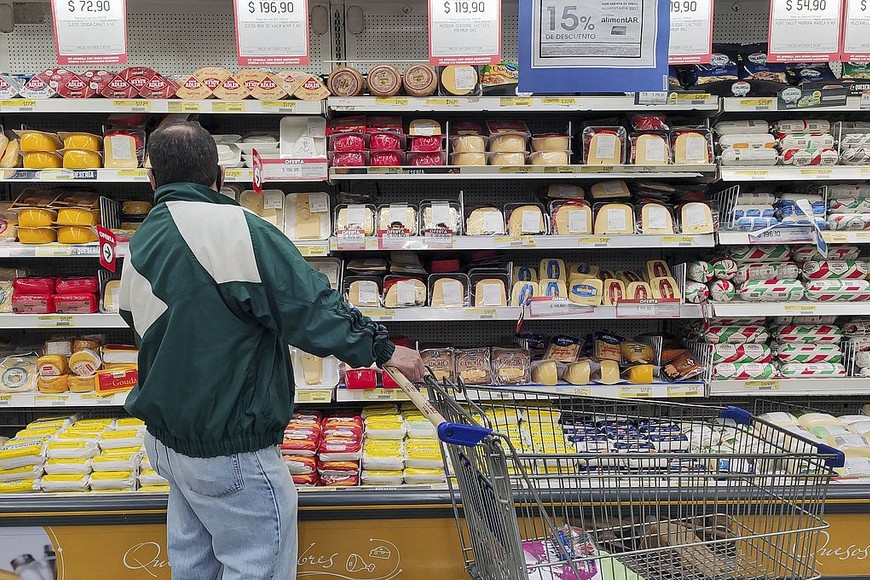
x=809, y=334
x=771, y=291
x=741, y=353
x=809, y=353
x=744, y=371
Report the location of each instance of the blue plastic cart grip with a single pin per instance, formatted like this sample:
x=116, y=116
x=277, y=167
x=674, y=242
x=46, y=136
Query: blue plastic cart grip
x=741, y=416
x=839, y=459
x=459, y=434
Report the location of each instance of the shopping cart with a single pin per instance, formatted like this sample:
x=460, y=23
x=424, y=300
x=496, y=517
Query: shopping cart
x=552, y=486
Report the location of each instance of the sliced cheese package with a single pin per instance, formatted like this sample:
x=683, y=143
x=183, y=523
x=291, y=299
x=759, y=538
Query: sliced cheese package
x=307, y=216
x=448, y=290
x=571, y=217
x=525, y=219
x=403, y=292
x=696, y=218
x=485, y=221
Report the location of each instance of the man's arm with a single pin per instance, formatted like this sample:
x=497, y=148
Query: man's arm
x=297, y=302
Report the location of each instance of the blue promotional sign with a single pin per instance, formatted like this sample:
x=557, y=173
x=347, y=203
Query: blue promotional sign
x=593, y=46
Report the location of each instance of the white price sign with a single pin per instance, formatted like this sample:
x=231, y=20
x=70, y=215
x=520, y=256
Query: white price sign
x=804, y=31
x=464, y=32
x=856, y=32
x=271, y=32
x=691, y=32
x=90, y=31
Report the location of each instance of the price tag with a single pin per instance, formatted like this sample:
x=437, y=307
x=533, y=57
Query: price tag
x=312, y=250
x=5, y=399
x=281, y=106
x=229, y=107
x=515, y=102
x=271, y=32
x=442, y=102
x=836, y=238
x=135, y=106
x=184, y=107
x=392, y=101
x=579, y=391
x=50, y=251
x=514, y=242
x=595, y=241
x=691, y=32
x=438, y=239
x=383, y=395
x=753, y=174
x=804, y=31
x=480, y=313
x=55, y=321
x=380, y=314
x=559, y=101
x=464, y=32
x=782, y=235
x=18, y=104
x=52, y=400
x=856, y=33
x=801, y=308
x=651, y=308
x=634, y=392
x=133, y=174
x=108, y=248
x=544, y=307
x=656, y=98
x=313, y=395
x=90, y=31
x=763, y=385
x=685, y=391
x=678, y=241
x=764, y=104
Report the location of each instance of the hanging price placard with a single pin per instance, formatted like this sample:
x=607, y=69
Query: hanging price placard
x=691, y=38
x=271, y=32
x=804, y=30
x=90, y=31
x=856, y=32
x=464, y=32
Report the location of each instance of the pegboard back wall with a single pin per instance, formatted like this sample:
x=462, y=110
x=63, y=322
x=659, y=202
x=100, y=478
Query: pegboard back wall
x=174, y=38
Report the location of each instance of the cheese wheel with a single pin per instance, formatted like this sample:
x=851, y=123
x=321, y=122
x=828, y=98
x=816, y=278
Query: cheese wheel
x=81, y=159
x=38, y=141
x=459, y=80
x=504, y=159
x=82, y=384
x=550, y=158
x=526, y=220
x=507, y=144
x=551, y=143
x=42, y=160
x=74, y=216
x=448, y=293
x=36, y=217
x=523, y=292
x=467, y=159
x=52, y=365
x=85, y=363
x=84, y=141
x=364, y=293
x=345, y=81
x=490, y=292
x=53, y=384
x=469, y=144
x=384, y=80
x=420, y=80
x=572, y=219
x=36, y=235
x=605, y=148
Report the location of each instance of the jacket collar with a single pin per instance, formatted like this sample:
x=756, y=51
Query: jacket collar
x=183, y=191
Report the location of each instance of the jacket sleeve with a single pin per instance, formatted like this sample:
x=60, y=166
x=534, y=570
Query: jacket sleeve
x=297, y=302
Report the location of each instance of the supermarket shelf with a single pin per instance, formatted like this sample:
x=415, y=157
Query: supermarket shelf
x=28, y=321
x=767, y=104
x=528, y=242
x=234, y=175
x=797, y=235
x=678, y=102
x=834, y=173
x=313, y=395
x=76, y=106
x=738, y=309
x=622, y=391
x=35, y=399
x=512, y=313
x=524, y=172
x=807, y=387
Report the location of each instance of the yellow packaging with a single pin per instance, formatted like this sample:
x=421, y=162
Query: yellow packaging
x=154, y=488
x=79, y=384
x=75, y=235
x=81, y=159
x=38, y=141
x=36, y=235
x=640, y=374
x=23, y=486
x=52, y=365
x=74, y=216
x=53, y=384
x=84, y=141
x=36, y=217
x=42, y=160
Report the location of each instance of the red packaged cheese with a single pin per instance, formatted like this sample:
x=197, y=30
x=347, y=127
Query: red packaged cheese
x=348, y=142
x=386, y=159
x=137, y=76
x=352, y=159
x=32, y=303
x=427, y=159
x=385, y=142
x=118, y=88
x=33, y=285
x=159, y=87
x=75, y=303
x=97, y=79
x=72, y=86
x=77, y=285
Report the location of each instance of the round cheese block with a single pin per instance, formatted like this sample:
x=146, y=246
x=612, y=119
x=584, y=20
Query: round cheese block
x=722, y=291
x=724, y=269
x=699, y=271
x=212, y=77
x=507, y=159
x=507, y=144
x=230, y=89
x=384, y=80
x=468, y=159
x=551, y=143
x=469, y=144
x=459, y=80
x=190, y=87
x=420, y=80
x=549, y=158
x=345, y=81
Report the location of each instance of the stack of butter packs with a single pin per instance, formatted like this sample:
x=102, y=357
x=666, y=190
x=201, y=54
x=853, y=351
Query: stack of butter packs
x=68, y=454
x=401, y=447
x=781, y=274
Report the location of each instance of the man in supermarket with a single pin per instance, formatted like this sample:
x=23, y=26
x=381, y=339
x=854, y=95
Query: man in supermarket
x=215, y=295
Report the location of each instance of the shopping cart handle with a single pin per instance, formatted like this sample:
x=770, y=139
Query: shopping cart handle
x=736, y=414
x=460, y=434
x=839, y=459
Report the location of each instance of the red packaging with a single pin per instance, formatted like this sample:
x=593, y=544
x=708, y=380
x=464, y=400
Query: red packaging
x=340, y=446
x=354, y=124
x=75, y=303
x=109, y=383
x=97, y=79
x=300, y=465
x=339, y=480
x=307, y=416
x=649, y=123
x=338, y=467
x=77, y=285
x=72, y=86
x=348, y=160
x=426, y=159
x=301, y=447
x=388, y=381
x=385, y=142
x=32, y=303
x=159, y=87
x=340, y=419
x=348, y=142
x=361, y=378
x=302, y=432
x=137, y=76
x=386, y=159
x=353, y=432
x=33, y=285
x=53, y=77
x=118, y=88
x=426, y=144
x=384, y=124
x=308, y=480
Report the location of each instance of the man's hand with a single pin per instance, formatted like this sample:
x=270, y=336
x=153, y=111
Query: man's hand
x=409, y=362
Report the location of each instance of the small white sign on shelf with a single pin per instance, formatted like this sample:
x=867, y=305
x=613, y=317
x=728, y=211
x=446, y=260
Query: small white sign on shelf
x=652, y=308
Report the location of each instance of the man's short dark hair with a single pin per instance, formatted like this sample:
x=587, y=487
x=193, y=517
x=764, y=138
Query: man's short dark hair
x=183, y=152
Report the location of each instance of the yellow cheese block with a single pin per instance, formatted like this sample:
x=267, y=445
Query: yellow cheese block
x=81, y=159
x=111, y=293
x=612, y=189
x=85, y=363
x=615, y=218
x=359, y=215
x=655, y=219
x=11, y=155
x=549, y=158
x=505, y=159
x=84, y=141
x=581, y=268
x=82, y=384
x=364, y=293
x=38, y=141
x=468, y=159
x=578, y=373
x=255, y=202
x=552, y=268
x=588, y=292
x=638, y=291
x=448, y=293
x=42, y=160
x=546, y=373
x=609, y=372
x=74, y=216
x=119, y=152
x=404, y=293
x=36, y=217
x=526, y=220
x=691, y=148
x=507, y=144
x=604, y=149
x=572, y=219
x=312, y=368
x=52, y=365
x=577, y=278
x=640, y=374
x=76, y=235
x=657, y=269
x=664, y=287
x=696, y=218
x=469, y=144
x=553, y=288
x=36, y=235
x=485, y=221
x=522, y=292
x=614, y=291
x=490, y=292
x=651, y=149
x=53, y=384
x=525, y=274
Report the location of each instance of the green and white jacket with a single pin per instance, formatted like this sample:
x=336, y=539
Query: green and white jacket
x=215, y=295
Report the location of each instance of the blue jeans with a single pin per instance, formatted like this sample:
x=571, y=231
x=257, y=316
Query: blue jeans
x=233, y=513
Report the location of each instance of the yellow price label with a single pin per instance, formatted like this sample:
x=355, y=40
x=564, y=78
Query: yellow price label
x=229, y=107
x=52, y=251
x=283, y=106
x=5, y=399
x=684, y=391
x=764, y=103
x=677, y=239
x=682, y=98
x=595, y=240
x=516, y=169
x=55, y=321
x=580, y=391
x=184, y=107
x=633, y=392
x=763, y=385
x=515, y=241
x=233, y=173
x=800, y=308
x=17, y=104
x=862, y=235
x=480, y=313
x=818, y=172
x=559, y=101
x=596, y=168
x=138, y=106
x=314, y=395
x=836, y=238
x=377, y=314
x=442, y=102
x=383, y=395
x=515, y=102
x=134, y=173
x=313, y=250
x=393, y=101
x=558, y=169
x=54, y=174
x=48, y=399
x=753, y=173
